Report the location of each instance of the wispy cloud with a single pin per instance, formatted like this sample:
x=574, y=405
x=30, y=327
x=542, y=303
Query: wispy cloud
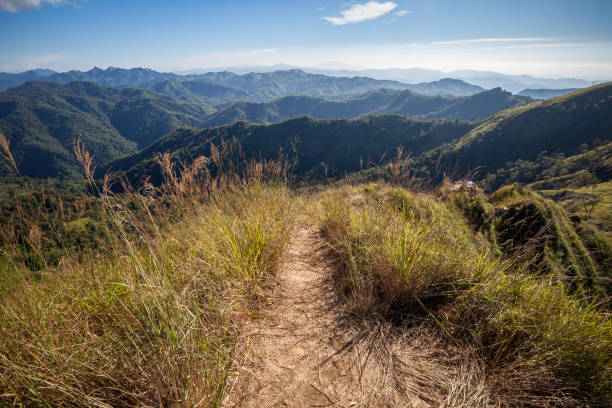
x=492, y=40
x=402, y=13
x=32, y=62
x=15, y=6
x=362, y=12
x=547, y=45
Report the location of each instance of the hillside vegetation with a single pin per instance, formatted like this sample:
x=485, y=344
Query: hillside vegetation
x=546, y=93
x=408, y=258
x=155, y=315
x=151, y=315
x=42, y=120
x=560, y=127
x=450, y=263
x=380, y=101
x=318, y=148
x=566, y=125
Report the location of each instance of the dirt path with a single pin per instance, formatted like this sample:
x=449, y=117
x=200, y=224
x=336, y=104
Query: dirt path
x=305, y=356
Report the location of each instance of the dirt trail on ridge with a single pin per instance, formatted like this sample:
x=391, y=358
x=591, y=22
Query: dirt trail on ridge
x=306, y=355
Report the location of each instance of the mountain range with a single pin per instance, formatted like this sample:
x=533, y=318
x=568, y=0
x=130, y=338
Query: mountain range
x=484, y=79
x=217, y=88
x=221, y=87
x=41, y=119
x=380, y=101
x=565, y=125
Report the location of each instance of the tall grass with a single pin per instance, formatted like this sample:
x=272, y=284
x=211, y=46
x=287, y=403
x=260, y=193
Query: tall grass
x=152, y=319
x=408, y=256
x=7, y=155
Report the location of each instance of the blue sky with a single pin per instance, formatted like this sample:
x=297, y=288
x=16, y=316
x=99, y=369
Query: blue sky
x=537, y=37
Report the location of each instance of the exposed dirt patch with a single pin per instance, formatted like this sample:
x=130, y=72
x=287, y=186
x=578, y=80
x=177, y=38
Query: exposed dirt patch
x=306, y=354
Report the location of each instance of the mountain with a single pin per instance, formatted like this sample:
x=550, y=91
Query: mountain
x=270, y=85
x=112, y=76
x=380, y=101
x=318, y=147
x=8, y=80
x=223, y=87
x=428, y=82
x=564, y=125
x=407, y=75
x=292, y=82
x=515, y=83
x=485, y=79
x=546, y=93
x=42, y=119
x=197, y=91
x=446, y=86
x=480, y=105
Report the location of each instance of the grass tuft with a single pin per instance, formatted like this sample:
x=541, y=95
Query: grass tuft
x=407, y=256
x=152, y=318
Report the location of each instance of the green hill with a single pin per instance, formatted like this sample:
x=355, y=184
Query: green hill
x=380, y=101
x=8, y=80
x=318, y=147
x=197, y=91
x=546, y=93
x=565, y=125
x=42, y=119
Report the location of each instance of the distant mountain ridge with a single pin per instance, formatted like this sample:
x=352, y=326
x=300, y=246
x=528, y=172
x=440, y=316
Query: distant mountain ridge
x=565, y=125
x=414, y=76
x=380, y=101
x=485, y=79
x=546, y=93
x=8, y=80
x=222, y=87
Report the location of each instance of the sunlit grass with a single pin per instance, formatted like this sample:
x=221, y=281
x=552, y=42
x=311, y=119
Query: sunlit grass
x=406, y=255
x=152, y=320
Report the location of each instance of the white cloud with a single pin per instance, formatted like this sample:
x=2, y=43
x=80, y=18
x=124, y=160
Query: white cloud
x=362, y=12
x=492, y=40
x=591, y=61
x=20, y=5
x=402, y=13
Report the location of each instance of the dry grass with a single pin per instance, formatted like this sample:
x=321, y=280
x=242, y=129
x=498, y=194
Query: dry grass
x=7, y=155
x=155, y=322
x=409, y=258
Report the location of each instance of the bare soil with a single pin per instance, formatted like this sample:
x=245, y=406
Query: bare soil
x=306, y=353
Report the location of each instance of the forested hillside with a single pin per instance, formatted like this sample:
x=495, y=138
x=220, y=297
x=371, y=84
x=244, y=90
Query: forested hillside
x=380, y=101
x=564, y=125
x=42, y=119
x=318, y=148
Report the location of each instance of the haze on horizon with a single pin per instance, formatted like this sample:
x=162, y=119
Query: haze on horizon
x=546, y=38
